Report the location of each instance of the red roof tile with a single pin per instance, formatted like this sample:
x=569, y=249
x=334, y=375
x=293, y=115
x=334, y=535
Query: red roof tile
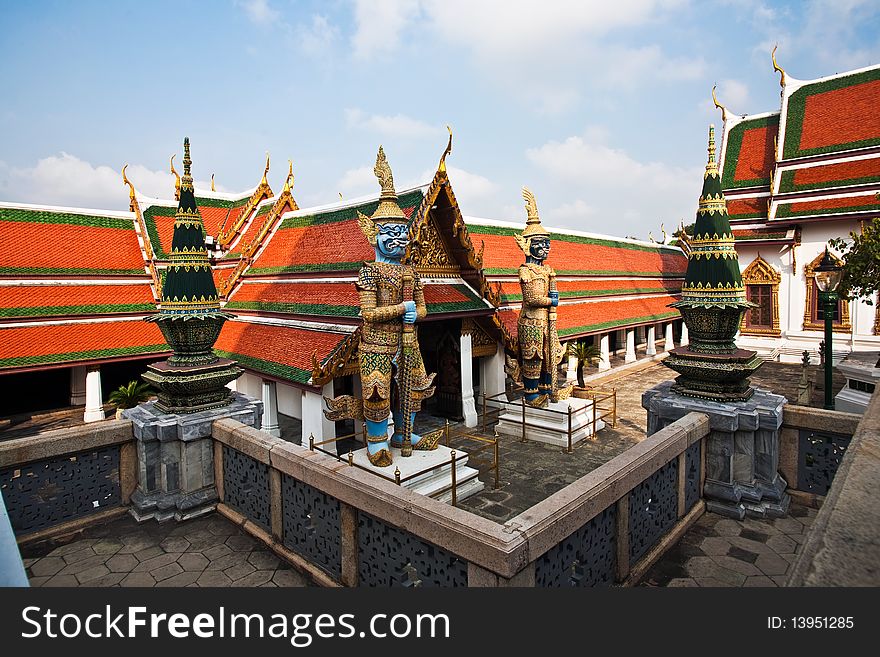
x=841, y=116
x=511, y=290
x=756, y=156
x=59, y=300
x=850, y=172
x=833, y=205
x=747, y=208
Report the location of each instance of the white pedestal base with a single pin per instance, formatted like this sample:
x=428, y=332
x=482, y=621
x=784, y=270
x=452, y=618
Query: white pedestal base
x=552, y=428
x=437, y=482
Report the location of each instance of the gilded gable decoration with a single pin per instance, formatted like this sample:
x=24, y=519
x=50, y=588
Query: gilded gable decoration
x=761, y=272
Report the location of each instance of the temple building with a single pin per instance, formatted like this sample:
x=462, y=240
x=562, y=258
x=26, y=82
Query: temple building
x=76, y=284
x=795, y=178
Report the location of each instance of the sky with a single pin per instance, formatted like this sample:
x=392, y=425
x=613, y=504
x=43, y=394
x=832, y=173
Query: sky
x=601, y=108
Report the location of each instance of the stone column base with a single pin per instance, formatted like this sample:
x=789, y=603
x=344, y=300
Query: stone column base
x=176, y=458
x=742, y=460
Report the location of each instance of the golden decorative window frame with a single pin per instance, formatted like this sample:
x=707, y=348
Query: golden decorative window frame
x=844, y=325
x=761, y=272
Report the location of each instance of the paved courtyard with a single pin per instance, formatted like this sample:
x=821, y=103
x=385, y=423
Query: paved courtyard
x=719, y=551
x=207, y=552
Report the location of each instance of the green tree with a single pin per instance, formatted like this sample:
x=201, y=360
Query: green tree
x=861, y=255
x=130, y=395
x=586, y=354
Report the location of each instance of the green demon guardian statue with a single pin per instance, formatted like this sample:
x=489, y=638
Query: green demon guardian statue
x=539, y=349
x=392, y=300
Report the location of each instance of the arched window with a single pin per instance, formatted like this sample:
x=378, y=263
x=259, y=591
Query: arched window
x=814, y=313
x=761, y=281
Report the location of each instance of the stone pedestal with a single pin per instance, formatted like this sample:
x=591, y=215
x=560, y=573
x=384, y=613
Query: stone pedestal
x=437, y=481
x=862, y=379
x=176, y=458
x=546, y=426
x=742, y=460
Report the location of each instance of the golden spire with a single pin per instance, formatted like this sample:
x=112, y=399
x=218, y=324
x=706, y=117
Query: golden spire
x=777, y=67
x=533, y=222
x=288, y=184
x=266, y=171
x=186, y=180
x=176, y=180
x=442, y=165
x=131, y=197
x=388, y=210
x=212, y=183
x=719, y=105
x=711, y=165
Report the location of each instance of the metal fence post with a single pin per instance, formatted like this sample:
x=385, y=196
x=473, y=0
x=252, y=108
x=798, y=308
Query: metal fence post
x=569, y=429
x=452, y=458
x=523, y=401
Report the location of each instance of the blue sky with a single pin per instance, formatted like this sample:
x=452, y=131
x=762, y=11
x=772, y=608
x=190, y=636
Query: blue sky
x=601, y=108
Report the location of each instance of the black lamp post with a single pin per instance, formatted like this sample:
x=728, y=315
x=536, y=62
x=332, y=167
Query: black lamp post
x=828, y=274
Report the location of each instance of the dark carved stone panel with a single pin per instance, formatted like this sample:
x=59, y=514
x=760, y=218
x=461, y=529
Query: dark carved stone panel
x=246, y=486
x=388, y=556
x=653, y=509
x=586, y=558
x=692, y=464
x=311, y=524
x=819, y=456
x=46, y=493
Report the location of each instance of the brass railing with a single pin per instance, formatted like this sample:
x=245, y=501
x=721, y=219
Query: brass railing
x=449, y=438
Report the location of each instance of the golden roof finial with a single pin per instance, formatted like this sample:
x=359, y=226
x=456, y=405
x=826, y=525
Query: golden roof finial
x=265, y=171
x=340, y=195
x=711, y=165
x=442, y=165
x=176, y=180
x=288, y=184
x=388, y=210
x=131, y=195
x=213, y=189
x=383, y=174
x=533, y=221
x=777, y=67
x=187, y=160
x=719, y=105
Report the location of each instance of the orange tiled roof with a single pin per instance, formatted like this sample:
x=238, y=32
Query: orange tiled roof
x=824, y=176
x=747, y=208
x=19, y=301
x=828, y=206
x=28, y=346
x=577, y=319
x=748, y=153
x=511, y=291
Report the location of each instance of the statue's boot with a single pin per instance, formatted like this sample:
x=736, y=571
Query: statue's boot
x=378, y=449
x=426, y=442
x=533, y=395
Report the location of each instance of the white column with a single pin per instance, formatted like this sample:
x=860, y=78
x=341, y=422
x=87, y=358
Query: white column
x=78, y=385
x=571, y=374
x=270, y=409
x=314, y=422
x=94, y=399
x=651, y=349
x=630, y=356
x=670, y=342
x=604, y=356
x=492, y=372
x=684, y=334
x=468, y=409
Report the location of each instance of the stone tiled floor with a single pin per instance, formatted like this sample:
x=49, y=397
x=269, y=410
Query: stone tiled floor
x=206, y=551
x=719, y=551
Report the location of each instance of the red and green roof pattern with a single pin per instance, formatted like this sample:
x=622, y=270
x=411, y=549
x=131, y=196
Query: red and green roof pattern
x=581, y=289
x=24, y=301
x=284, y=352
x=30, y=346
x=579, y=319
x=828, y=206
x=833, y=115
x=824, y=176
x=578, y=255
x=761, y=234
x=753, y=207
x=330, y=240
x=340, y=300
x=49, y=242
x=749, y=155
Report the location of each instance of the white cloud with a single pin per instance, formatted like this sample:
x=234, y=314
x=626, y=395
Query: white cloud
x=733, y=94
x=625, y=194
x=379, y=24
x=399, y=125
x=65, y=179
x=357, y=182
x=317, y=38
x=259, y=11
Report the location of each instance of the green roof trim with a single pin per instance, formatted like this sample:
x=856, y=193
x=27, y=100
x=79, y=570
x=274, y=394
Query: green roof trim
x=479, y=229
x=787, y=183
x=268, y=367
x=318, y=266
x=46, y=359
x=409, y=200
x=617, y=323
x=54, y=311
x=784, y=210
x=794, y=124
x=149, y=216
x=764, y=236
x=49, y=217
x=734, y=146
x=574, y=294
x=591, y=272
x=36, y=271
x=226, y=204
x=324, y=310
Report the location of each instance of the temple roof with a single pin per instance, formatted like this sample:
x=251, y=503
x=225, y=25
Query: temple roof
x=765, y=235
x=28, y=299
x=747, y=156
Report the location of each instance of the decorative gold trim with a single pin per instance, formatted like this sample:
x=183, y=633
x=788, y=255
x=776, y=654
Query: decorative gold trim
x=844, y=325
x=213, y=189
x=176, y=179
x=761, y=272
x=148, y=249
x=777, y=67
x=482, y=344
x=719, y=105
x=335, y=363
x=877, y=315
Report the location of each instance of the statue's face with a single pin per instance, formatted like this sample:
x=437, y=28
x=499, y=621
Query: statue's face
x=539, y=248
x=392, y=240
